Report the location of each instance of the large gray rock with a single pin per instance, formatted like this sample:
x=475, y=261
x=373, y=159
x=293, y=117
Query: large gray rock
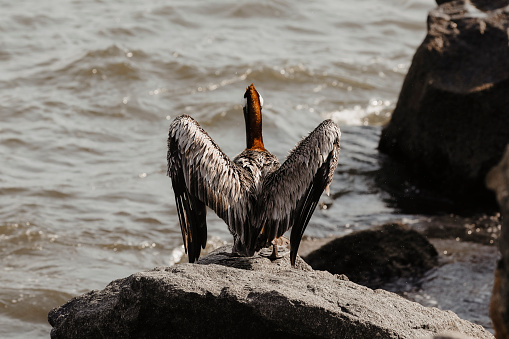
x=268, y=300
x=498, y=180
x=450, y=125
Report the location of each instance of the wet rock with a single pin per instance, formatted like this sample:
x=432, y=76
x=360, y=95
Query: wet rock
x=376, y=256
x=481, y=229
x=498, y=180
x=461, y=283
x=266, y=299
x=483, y=5
x=449, y=126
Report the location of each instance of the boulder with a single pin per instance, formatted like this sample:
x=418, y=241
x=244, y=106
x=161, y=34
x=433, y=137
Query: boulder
x=263, y=299
x=498, y=180
x=376, y=256
x=450, y=125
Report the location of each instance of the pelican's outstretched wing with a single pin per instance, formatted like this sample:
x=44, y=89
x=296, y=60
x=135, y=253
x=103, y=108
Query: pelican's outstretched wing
x=202, y=174
x=290, y=194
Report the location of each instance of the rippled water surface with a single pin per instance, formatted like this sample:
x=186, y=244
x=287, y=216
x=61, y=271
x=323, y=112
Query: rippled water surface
x=89, y=88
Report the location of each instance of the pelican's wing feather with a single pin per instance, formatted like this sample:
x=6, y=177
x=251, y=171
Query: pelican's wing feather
x=291, y=193
x=202, y=175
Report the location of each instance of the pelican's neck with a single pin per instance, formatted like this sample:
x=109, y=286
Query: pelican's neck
x=253, y=119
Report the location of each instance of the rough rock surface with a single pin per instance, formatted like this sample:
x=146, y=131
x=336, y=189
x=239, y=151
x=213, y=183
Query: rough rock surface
x=498, y=180
x=376, y=256
x=449, y=126
x=268, y=300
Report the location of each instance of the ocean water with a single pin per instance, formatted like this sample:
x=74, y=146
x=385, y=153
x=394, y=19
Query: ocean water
x=88, y=90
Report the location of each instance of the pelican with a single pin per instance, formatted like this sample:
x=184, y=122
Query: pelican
x=257, y=197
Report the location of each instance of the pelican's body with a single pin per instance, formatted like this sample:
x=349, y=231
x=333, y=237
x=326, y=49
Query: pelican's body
x=257, y=197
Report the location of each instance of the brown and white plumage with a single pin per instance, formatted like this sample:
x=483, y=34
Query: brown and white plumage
x=258, y=198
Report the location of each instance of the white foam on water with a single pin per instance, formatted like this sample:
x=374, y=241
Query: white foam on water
x=358, y=115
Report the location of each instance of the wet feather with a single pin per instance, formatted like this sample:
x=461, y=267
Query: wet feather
x=257, y=197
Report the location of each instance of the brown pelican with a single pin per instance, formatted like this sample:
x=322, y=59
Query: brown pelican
x=258, y=198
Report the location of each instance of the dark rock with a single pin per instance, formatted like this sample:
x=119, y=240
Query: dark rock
x=483, y=5
x=269, y=300
x=450, y=335
x=439, y=2
x=449, y=126
x=498, y=180
x=489, y=5
x=461, y=283
x=376, y=256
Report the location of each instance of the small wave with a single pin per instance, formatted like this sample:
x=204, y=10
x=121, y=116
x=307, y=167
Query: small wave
x=24, y=238
x=53, y=194
x=175, y=16
x=13, y=142
x=111, y=51
x=148, y=220
x=4, y=55
x=222, y=78
x=32, y=304
x=13, y=191
x=297, y=73
x=125, y=32
x=84, y=70
x=376, y=113
x=119, y=247
x=273, y=9
x=179, y=256
x=33, y=21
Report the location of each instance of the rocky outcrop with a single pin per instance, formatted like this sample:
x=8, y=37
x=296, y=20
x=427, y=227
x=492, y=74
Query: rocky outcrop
x=449, y=126
x=498, y=180
x=263, y=299
x=376, y=256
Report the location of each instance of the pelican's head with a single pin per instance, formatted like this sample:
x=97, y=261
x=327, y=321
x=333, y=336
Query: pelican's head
x=252, y=102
